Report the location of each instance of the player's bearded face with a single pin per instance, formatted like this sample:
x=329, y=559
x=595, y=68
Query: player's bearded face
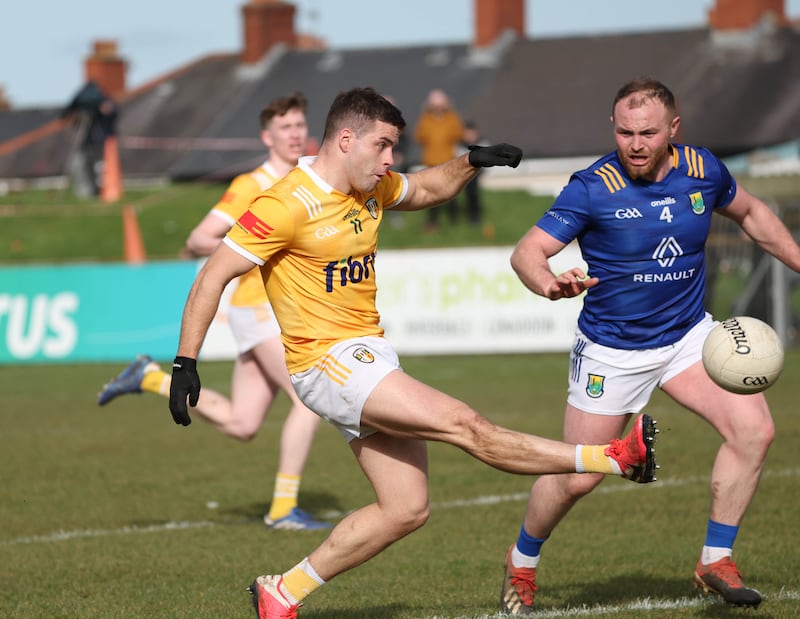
x=642, y=130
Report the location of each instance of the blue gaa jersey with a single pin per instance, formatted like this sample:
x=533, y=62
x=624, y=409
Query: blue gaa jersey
x=645, y=241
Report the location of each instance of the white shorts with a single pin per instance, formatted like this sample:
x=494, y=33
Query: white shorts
x=337, y=387
x=611, y=381
x=252, y=325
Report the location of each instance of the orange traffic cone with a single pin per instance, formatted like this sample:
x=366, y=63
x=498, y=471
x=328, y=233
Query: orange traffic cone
x=132, y=236
x=111, y=189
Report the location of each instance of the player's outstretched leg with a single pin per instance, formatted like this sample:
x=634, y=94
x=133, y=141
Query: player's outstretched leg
x=268, y=601
x=127, y=381
x=723, y=578
x=635, y=453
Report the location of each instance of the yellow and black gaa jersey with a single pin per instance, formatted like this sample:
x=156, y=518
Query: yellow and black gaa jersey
x=316, y=247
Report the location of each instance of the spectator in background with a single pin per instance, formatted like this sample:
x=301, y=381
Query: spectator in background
x=95, y=116
x=439, y=132
x=472, y=198
x=259, y=372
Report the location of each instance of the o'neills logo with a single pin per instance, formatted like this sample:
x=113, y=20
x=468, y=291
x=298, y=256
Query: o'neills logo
x=739, y=335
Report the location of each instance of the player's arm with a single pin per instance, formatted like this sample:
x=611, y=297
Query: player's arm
x=201, y=305
x=205, y=237
x=530, y=262
x=437, y=184
x=222, y=266
x=763, y=226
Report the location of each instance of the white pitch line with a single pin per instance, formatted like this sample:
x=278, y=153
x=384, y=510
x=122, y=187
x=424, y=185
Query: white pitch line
x=607, y=488
x=60, y=536
x=646, y=604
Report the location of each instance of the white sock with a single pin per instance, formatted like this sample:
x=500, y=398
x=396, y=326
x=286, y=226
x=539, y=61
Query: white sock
x=520, y=560
x=711, y=554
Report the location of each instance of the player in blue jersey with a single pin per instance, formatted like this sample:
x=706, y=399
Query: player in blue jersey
x=641, y=216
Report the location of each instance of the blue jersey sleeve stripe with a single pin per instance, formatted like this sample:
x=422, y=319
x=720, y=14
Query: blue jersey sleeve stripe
x=611, y=177
x=606, y=180
x=616, y=175
x=694, y=161
x=687, y=154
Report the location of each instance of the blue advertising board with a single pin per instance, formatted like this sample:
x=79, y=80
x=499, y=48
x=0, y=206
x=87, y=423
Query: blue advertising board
x=92, y=312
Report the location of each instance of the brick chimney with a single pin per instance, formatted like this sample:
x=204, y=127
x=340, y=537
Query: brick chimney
x=5, y=104
x=106, y=68
x=493, y=17
x=266, y=22
x=745, y=14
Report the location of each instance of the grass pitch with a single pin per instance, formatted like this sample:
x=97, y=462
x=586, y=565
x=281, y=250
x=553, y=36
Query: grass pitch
x=118, y=512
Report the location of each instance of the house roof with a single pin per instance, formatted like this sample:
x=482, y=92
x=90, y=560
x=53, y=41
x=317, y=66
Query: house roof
x=18, y=122
x=406, y=74
x=734, y=95
x=552, y=97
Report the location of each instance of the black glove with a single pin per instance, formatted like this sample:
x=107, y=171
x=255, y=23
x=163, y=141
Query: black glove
x=185, y=382
x=499, y=154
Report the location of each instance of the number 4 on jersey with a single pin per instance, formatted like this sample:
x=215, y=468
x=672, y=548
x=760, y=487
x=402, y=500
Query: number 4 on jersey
x=666, y=215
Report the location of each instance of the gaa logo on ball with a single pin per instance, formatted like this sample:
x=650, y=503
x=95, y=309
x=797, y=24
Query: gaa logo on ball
x=743, y=355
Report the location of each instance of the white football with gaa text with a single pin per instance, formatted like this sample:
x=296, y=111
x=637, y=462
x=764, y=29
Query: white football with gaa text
x=743, y=355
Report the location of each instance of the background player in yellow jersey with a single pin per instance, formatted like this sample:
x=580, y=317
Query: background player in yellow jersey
x=314, y=235
x=259, y=372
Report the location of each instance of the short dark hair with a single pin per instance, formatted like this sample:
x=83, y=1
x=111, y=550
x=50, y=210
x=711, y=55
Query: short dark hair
x=281, y=105
x=646, y=88
x=358, y=109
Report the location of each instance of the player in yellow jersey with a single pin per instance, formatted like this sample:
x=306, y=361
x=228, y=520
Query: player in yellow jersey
x=314, y=236
x=259, y=372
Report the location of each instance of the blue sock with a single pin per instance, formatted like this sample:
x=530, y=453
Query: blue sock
x=529, y=545
x=720, y=535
